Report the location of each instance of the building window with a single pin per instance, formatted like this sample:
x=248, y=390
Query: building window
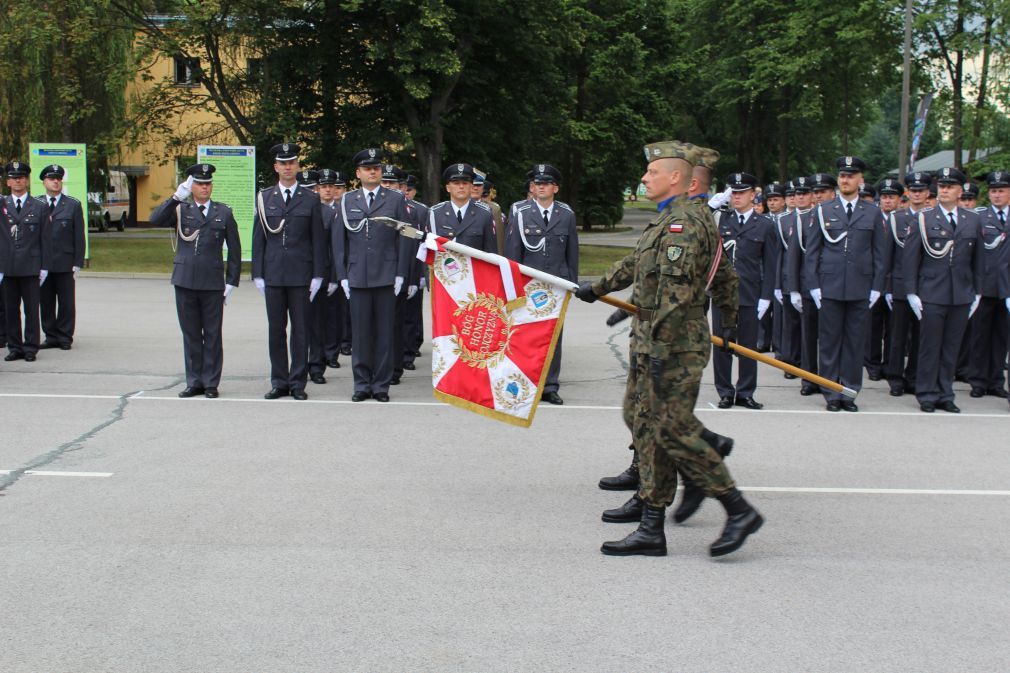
x=187, y=71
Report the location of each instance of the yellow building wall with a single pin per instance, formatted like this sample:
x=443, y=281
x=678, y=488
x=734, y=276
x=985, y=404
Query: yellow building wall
x=161, y=177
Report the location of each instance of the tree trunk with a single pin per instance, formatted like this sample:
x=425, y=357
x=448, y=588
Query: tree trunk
x=956, y=128
x=976, y=127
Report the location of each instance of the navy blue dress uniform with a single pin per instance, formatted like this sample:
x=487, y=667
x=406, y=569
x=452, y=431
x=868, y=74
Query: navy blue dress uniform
x=545, y=237
x=990, y=324
x=878, y=336
x=25, y=250
x=846, y=261
x=337, y=320
x=372, y=262
x=943, y=264
x=414, y=312
x=903, y=347
x=66, y=230
x=471, y=224
x=801, y=228
x=787, y=318
x=750, y=243
x=201, y=279
x=288, y=257
x=316, y=363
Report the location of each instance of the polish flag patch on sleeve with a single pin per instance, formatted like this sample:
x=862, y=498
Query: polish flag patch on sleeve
x=676, y=228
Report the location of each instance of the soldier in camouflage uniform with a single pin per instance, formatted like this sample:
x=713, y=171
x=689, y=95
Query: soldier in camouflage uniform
x=672, y=270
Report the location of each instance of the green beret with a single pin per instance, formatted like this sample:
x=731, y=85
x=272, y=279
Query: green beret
x=672, y=149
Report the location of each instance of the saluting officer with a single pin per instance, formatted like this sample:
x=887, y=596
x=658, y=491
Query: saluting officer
x=66, y=233
x=414, y=313
x=990, y=323
x=202, y=284
x=943, y=262
x=800, y=230
x=332, y=185
x=845, y=267
x=786, y=317
x=288, y=266
x=372, y=262
x=546, y=238
x=24, y=262
x=903, y=354
x=748, y=241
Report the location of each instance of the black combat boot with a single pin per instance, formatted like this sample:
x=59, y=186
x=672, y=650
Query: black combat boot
x=742, y=520
x=629, y=512
x=693, y=495
x=625, y=481
x=647, y=540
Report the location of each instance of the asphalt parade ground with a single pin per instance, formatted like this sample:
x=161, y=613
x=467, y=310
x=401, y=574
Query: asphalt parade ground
x=141, y=532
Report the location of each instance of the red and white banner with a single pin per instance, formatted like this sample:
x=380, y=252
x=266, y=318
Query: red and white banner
x=493, y=334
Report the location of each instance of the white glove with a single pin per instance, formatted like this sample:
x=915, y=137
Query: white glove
x=260, y=285
x=796, y=300
x=228, y=289
x=974, y=305
x=1007, y=299
x=889, y=298
x=397, y=285
x=2, y=280
x=75, y=269
x=183, y=191
x=42, y=276
x=314, y=286
x=411, y=291
x=423, y=283
x=331, y=288
x=763, y=305
x=916, y=305
x=719, y=200
x=815, y=294
x=874, y=296
x=778, y=296
x=346, y=287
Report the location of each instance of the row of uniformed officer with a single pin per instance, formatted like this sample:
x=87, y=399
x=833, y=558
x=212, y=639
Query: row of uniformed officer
x=66, y=232
x=202, y=281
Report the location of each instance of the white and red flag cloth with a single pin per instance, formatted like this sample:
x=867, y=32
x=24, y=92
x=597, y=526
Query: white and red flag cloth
x=493, y=333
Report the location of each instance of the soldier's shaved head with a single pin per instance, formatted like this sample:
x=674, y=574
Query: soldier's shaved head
x=701, y=180
x=666, y=177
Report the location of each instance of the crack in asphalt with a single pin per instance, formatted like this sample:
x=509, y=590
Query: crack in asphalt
x=619, y=350
x=77, y=443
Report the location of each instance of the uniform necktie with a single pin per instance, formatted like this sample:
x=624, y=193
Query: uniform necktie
x=52, y=203
x=547, y=217
x=1002, y=219
x=17, y=205
x=848, y=211
x=953, y=224
x=371, y=199
x=459, y=216
x=287, y=196
x=203, y=210
x=740, y=220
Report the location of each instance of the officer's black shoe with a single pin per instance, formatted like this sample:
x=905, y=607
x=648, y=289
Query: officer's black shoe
x=849, y=405
x=192, y=391
x=49, y=344
x=949, y=407
x=742, y=520
x=725, y=402
x=16, y=355
x=625, y=481
x=834, y=405
x=409, y=366
x=381, y=397
x=65, y=347
x=211, y=394
x=553, y=398
x=360, y=396
x=961, y=378
x=317, y=378
x=395, y=381
x=749, y=403
x=897, y=390
x=647, y=540
x=928, y=407
x=299, y=394
x=29, y=357
x=629, y=512
x=276, y=393
x=345, y=350
x=690, y=502
x=873, y=374
x=807, y=391
x=977, y=392
x=997, y=392
x=788, y=376
x=417, y=354
x=333, y=364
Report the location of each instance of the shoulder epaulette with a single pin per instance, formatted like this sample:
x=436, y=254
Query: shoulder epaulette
x=481, y=204
x=564, y=206
x=524, y=205
x=981, y=209
x=439, y=204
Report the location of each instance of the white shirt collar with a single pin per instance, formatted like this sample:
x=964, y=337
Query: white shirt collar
x=457, y=209
x=1005, y=210
x=549, y=209
x=373, y=192
x=58, y=197
x=206, y=206
x=293, y=188
x=746, y=215
x=947, y=213
x=845, y=201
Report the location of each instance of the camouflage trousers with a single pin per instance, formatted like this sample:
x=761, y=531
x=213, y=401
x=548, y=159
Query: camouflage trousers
x=659, y=409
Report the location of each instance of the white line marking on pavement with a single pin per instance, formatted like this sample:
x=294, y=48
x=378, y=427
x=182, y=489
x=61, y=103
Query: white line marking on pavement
x=870, y=491
x=50, y=473
x=55, y=396
x=137, y=394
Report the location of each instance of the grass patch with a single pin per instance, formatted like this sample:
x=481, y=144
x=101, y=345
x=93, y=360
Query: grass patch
x=154, y=255
x=642, y=204
x=604, y=230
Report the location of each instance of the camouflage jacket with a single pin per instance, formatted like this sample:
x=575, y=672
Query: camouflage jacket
x=669, y=270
